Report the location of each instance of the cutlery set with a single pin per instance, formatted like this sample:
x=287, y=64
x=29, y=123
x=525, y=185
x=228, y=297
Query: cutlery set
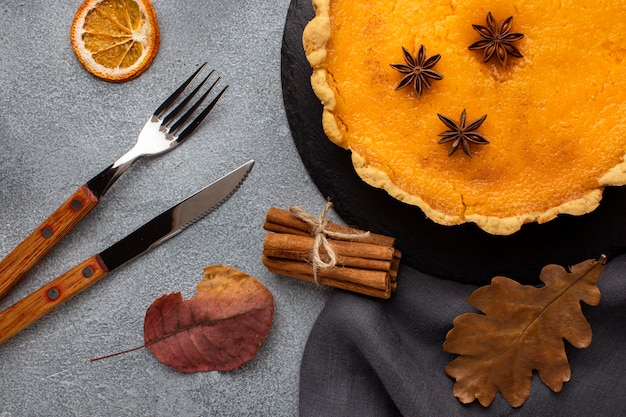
x=169, y=126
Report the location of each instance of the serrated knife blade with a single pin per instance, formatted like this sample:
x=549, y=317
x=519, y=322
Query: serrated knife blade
x=153, y=233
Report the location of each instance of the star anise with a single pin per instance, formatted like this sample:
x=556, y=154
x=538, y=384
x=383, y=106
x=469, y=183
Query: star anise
x=418, y=70
x=497, y=40
x=462, y=135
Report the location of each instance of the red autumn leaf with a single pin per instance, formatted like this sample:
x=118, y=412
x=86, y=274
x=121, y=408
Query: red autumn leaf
x=522, y=330
x=219, y=329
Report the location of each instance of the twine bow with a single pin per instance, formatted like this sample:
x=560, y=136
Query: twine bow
x=321, y=233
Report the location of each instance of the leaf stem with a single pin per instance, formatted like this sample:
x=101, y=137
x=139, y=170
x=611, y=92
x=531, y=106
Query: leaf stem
x=116, y=354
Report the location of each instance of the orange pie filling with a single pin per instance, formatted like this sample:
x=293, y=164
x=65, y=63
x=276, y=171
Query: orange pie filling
x=554, y=122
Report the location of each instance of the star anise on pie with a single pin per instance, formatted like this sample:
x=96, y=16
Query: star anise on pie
x=418, y=70
x=497, y=40
x=462, y=135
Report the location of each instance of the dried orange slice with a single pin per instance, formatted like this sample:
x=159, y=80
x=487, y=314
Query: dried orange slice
x=115, y=40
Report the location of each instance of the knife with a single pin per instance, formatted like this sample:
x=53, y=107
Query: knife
x=163, y=227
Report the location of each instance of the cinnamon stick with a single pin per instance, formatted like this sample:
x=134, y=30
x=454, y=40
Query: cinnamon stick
x=282, y=221
x=305, y=243
x=284, y=269
x=342, y=261
x=395, y=264
x=366, y=277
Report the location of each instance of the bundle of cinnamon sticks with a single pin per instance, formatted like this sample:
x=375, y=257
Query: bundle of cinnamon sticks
x=365, y=263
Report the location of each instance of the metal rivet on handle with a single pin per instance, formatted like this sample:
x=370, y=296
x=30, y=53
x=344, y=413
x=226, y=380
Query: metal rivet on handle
x=53, y=294
x=46, y=232
x=88, y=272
x=77, y=204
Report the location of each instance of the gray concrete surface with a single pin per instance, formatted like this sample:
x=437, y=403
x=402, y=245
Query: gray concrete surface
x=59, y=126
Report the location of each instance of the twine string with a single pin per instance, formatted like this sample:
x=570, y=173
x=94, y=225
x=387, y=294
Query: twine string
x=319, y=230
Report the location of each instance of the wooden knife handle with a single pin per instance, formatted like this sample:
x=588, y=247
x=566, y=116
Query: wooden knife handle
x=32, y=249
x=39, y=303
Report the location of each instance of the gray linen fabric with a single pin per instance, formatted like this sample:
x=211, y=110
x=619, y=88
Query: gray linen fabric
x=368, y=357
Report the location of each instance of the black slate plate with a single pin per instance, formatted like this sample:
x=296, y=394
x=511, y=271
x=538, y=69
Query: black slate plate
x=462, y=253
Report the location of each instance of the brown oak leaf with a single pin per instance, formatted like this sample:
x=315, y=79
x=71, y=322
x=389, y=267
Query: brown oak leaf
x=522, y=330
x=219, y=329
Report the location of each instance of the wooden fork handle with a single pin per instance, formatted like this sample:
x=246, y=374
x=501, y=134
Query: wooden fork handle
x=41, y=302
x=32, y=249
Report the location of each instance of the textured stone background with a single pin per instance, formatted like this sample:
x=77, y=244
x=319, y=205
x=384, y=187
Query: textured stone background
x=59, y=126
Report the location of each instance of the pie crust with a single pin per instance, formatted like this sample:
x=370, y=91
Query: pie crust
x=554, y=117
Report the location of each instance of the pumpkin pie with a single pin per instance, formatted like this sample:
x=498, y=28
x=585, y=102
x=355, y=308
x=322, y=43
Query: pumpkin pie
x=498, y=113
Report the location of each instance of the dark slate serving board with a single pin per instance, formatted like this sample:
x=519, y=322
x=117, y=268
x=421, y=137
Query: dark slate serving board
x=462, y=253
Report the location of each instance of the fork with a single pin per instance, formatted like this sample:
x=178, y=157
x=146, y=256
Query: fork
x=161, y=133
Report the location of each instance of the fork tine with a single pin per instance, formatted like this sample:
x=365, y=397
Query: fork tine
x=176, y=126
x=196, y=122
x=167, y=119
x=168, y=102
